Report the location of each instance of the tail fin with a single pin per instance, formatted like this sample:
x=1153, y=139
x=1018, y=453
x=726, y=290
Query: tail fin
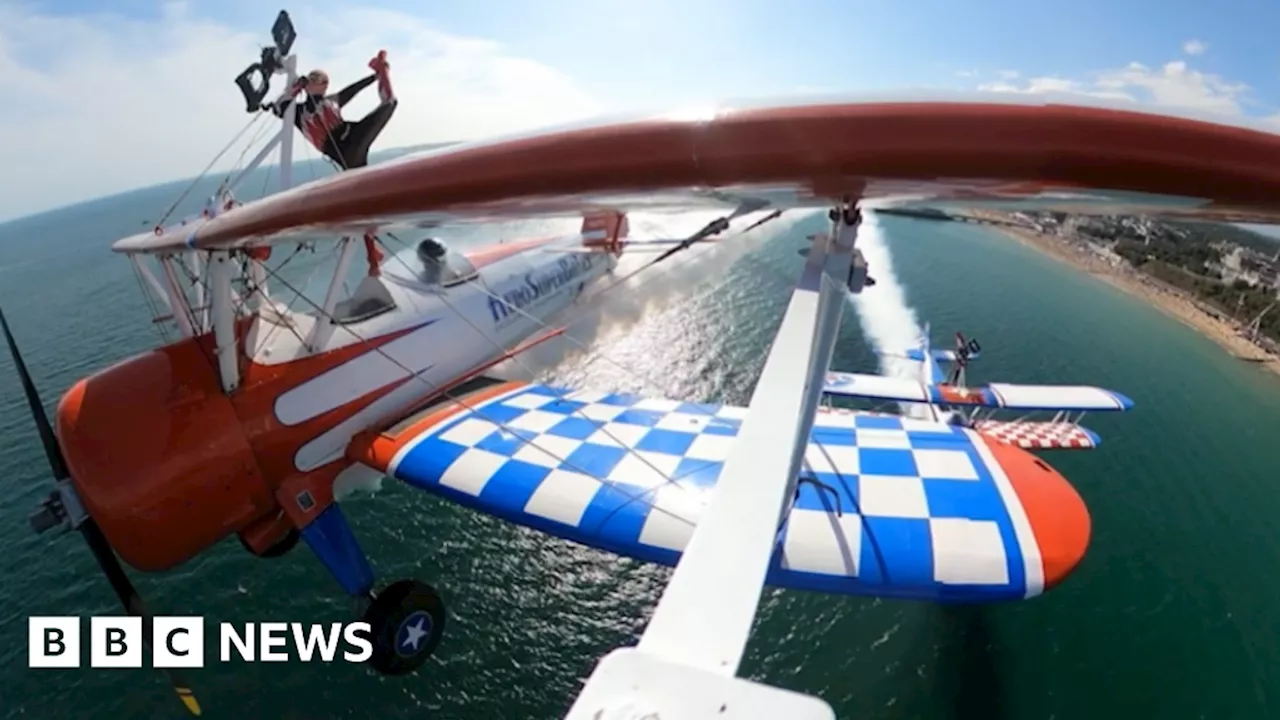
x=605, y=229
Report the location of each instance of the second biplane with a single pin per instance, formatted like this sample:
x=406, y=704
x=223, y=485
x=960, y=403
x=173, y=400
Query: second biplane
x=245, y=424
x=947, y=398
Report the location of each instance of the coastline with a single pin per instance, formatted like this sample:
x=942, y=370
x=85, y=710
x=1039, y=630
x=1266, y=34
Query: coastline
x=1167, y=299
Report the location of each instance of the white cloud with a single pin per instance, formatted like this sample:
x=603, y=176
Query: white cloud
x=1174, y=85
x=1194, y=47
x=128, y=103
x=1053, y=85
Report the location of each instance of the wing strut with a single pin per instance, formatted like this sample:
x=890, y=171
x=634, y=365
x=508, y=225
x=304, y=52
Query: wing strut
x=687, y=660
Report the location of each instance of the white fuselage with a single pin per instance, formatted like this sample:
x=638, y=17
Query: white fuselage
x=450, y=332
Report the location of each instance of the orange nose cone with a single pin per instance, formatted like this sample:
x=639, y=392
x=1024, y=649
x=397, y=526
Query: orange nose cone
x=159, y=458
x=1057, y=514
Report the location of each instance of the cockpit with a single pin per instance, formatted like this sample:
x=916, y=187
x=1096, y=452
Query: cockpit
x=439, y=265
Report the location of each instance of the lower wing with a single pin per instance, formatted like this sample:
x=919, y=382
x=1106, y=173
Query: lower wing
x=886, y=505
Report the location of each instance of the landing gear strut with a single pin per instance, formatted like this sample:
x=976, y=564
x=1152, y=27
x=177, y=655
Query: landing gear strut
x=406, y=622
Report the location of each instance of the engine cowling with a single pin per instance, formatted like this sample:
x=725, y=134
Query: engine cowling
x=158, y=456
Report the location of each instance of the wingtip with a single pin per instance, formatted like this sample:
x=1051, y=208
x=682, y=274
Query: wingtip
x=1058, y=517
x=1126, y=403
x=1094, y=438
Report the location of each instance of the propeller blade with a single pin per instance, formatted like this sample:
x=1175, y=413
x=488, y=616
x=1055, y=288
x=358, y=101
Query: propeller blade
x=132, y=603
x=51, y=450
x=97, y=542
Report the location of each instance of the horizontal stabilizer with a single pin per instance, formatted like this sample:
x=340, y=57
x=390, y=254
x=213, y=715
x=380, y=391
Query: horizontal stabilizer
x=1039, y=435
x=995, y=395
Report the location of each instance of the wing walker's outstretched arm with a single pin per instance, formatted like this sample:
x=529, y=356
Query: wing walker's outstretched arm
x=286, y=98
x=342, y=97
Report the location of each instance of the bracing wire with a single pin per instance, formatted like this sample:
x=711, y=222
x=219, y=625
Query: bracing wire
x=447, y=393
x=546, y=326
x=256, y=117
x=619, y=282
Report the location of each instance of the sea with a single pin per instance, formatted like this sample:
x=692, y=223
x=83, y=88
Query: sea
x=1174, y=612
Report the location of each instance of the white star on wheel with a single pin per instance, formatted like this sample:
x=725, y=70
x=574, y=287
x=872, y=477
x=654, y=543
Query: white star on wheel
x=416, y=633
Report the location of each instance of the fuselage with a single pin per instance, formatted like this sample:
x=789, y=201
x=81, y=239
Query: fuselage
x=440, y=333
x=168, y=463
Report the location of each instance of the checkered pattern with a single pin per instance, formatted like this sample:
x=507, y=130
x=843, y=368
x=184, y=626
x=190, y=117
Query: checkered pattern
x=1039, y=435
x=919, y=514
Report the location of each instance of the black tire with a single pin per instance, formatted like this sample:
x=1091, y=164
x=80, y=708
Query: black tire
x=407, y=611
x=278, y=549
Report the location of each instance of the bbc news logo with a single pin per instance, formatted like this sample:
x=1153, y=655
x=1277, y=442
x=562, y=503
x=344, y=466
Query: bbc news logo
x=178, y=642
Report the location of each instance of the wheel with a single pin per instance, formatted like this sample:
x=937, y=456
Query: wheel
x=406, y=621
x=279, y=548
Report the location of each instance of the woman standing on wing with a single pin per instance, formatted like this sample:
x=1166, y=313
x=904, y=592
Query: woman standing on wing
x=319, y=116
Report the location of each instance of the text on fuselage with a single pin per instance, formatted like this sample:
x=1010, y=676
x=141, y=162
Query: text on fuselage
x=538, y=285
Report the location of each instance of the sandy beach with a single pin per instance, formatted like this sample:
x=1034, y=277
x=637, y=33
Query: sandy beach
x=1168, y=299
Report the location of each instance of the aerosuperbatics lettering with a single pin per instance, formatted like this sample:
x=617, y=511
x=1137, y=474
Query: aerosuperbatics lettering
x=538, y=285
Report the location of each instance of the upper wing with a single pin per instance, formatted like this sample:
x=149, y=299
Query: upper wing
x=887, y=505
x=993, y=395
x=977, y=153
x=181, y=236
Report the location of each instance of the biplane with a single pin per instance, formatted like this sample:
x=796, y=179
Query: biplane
x=243, y=426
x=946, y=397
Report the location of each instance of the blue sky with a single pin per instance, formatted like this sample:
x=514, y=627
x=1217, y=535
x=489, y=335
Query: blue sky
x=542, y=61
x=755, y=46
x=679, y=50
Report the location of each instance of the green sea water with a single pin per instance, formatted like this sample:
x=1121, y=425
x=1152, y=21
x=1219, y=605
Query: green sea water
x=1173, y=613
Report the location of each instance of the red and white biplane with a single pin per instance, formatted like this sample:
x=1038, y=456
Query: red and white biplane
x=244, y=424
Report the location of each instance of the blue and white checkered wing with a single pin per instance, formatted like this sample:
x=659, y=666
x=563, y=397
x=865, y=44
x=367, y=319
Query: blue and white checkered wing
x=887, y=505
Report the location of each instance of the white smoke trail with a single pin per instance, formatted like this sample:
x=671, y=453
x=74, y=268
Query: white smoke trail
x=887, y=321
